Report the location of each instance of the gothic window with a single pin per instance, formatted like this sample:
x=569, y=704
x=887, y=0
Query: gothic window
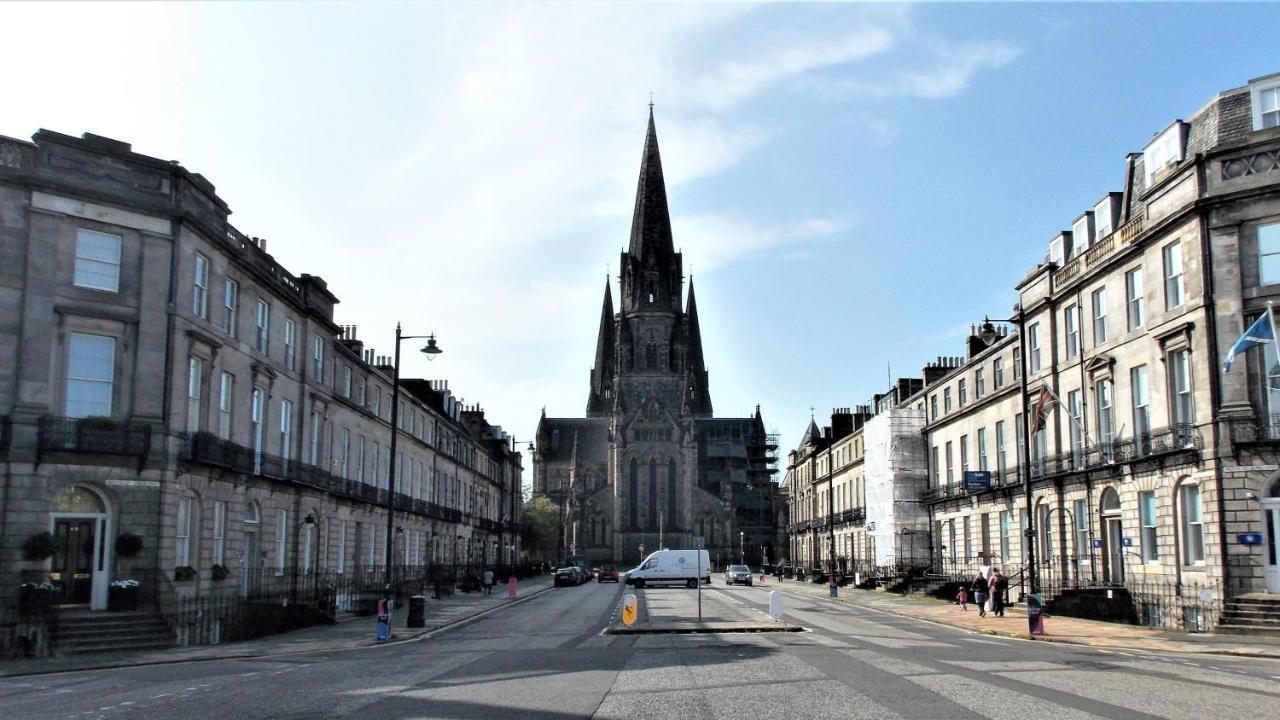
x=653, y=493
x=633, y=495
x=671, y=494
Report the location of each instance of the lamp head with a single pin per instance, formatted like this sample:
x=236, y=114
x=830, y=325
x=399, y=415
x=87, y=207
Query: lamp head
x=987, y=331
x=431, y=350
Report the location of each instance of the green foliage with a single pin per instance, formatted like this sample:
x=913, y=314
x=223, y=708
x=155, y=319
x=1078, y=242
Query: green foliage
x=220, y=572
x=540, y=527
x=184, y=573
x=38, y=547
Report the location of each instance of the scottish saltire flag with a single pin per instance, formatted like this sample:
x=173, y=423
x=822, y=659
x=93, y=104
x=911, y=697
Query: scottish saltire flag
x=1258, y=334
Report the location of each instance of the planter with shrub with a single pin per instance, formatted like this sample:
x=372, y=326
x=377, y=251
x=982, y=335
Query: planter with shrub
x=219, y=573
x=184, y=573
x=123, y=595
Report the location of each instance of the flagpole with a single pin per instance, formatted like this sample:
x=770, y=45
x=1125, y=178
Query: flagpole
x=1275, y=341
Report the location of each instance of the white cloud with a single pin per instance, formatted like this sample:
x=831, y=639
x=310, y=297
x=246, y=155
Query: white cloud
x=712, y=240
x=470, y=169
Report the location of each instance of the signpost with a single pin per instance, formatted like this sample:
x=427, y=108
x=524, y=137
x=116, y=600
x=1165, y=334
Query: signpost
x=697, y=546
x=976, y=481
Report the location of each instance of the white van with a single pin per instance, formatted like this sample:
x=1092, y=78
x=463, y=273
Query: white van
x=672, y=566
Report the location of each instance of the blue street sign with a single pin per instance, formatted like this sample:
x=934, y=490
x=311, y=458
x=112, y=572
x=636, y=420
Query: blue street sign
x=977, y=480
x=1095, y=543
x=1127, y=542
x=1249, y=539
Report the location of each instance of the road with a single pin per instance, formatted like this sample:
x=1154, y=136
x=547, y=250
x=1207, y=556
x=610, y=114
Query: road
x=547, y=658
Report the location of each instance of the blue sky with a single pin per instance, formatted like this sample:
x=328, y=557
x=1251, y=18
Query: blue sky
x=852, y=185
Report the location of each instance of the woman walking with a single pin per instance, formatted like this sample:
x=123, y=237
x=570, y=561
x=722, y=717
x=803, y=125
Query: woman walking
x=996, y=586
x=979, y=586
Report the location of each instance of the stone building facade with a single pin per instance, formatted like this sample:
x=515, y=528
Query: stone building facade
x=1150, y=466
x=164, y=378
x=649, y=466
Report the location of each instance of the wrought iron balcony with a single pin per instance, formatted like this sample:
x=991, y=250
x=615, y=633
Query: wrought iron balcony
x=102, y=436
x=1260, y=428
x=6, y=433
x=1162, y=442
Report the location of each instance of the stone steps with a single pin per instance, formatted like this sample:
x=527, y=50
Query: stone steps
x=89, y=632
x=1251, y=616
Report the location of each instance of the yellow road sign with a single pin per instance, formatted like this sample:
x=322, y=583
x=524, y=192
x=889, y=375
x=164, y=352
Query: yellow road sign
x=630, y=608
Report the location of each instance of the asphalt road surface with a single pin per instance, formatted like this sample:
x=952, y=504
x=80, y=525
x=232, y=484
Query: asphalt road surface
x=547, y=658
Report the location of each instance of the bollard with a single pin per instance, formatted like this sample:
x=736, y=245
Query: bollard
x=775, y=605
x=511, y=587
x=417, y=612
x=630, y=609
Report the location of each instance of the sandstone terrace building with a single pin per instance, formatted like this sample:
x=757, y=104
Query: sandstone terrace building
x=1158, y=472
x=162, y=376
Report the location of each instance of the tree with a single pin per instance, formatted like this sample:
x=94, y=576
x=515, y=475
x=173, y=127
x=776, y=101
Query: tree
x=540, y=527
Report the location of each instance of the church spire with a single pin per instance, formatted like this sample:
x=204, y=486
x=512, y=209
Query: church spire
x=651, y=222
x=603, y=371
x=695, y=332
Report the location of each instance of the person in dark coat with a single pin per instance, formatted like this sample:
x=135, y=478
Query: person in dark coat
x=979, y=586
x=997, y=585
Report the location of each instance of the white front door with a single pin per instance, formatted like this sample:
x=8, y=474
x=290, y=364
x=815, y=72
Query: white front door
x=1271, y=543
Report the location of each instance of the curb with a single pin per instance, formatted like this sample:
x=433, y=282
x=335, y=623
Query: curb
x=363, y=644
x=1026, y=637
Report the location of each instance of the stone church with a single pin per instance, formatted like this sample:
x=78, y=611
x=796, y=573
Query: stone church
x=649, y=466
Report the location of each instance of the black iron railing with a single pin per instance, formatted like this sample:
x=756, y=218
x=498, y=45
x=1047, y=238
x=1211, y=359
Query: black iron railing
x=207, y=449
x=1156, y=443
x=94, y=435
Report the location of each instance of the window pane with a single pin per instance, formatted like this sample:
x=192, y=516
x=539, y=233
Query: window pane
x=90, y=372
x=97, y=260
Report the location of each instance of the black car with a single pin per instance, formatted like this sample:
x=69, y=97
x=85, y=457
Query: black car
x=571, y=575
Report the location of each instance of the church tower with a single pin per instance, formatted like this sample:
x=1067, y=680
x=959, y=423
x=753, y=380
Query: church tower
x=648, y=466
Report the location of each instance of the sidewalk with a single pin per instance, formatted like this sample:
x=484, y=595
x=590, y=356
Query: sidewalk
x=1057, y=629
x=360, y=632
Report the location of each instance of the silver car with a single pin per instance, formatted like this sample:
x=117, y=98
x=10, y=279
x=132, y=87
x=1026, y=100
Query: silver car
x=737, y=574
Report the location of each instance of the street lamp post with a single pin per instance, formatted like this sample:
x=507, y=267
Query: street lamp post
x=430, y=350
x=742, y=558
x=988, y=334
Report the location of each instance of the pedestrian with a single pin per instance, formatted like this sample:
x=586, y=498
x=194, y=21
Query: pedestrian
x=997, y=585
x=962, y=597
x=488, y=582
x=980, y=594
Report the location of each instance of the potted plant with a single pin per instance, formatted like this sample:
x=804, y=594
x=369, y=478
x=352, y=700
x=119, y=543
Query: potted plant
x=35, y=598
x=184, y=573
x=219, y=572
x=38, y=547
x=128, y=545
x=123, y=595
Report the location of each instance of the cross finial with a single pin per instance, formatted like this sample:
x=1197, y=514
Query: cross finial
x=810, y=412
x=650, y=101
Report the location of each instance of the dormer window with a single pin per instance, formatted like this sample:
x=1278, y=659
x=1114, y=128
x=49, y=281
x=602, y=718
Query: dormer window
x=1165, y=150
x=1266, y=102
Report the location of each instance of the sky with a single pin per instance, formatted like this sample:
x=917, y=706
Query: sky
x=852, y=186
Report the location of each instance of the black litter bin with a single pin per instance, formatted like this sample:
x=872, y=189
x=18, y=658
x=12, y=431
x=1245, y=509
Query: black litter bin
x=417, y=611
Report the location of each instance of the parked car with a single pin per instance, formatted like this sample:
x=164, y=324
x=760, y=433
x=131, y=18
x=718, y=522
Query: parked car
x=737, y=575
x=607, y=573
x=568, y=576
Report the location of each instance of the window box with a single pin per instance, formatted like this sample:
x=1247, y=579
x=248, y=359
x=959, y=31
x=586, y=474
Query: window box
x=184, y=573
x=219, y=573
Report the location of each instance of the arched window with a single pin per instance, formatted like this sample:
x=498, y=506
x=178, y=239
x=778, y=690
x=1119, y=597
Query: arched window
x=1044, y=516
x=1191, y=523
x=251, y=513
x=653, y=493
x=77, y=499
x=672, y=515
x=633, y=495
